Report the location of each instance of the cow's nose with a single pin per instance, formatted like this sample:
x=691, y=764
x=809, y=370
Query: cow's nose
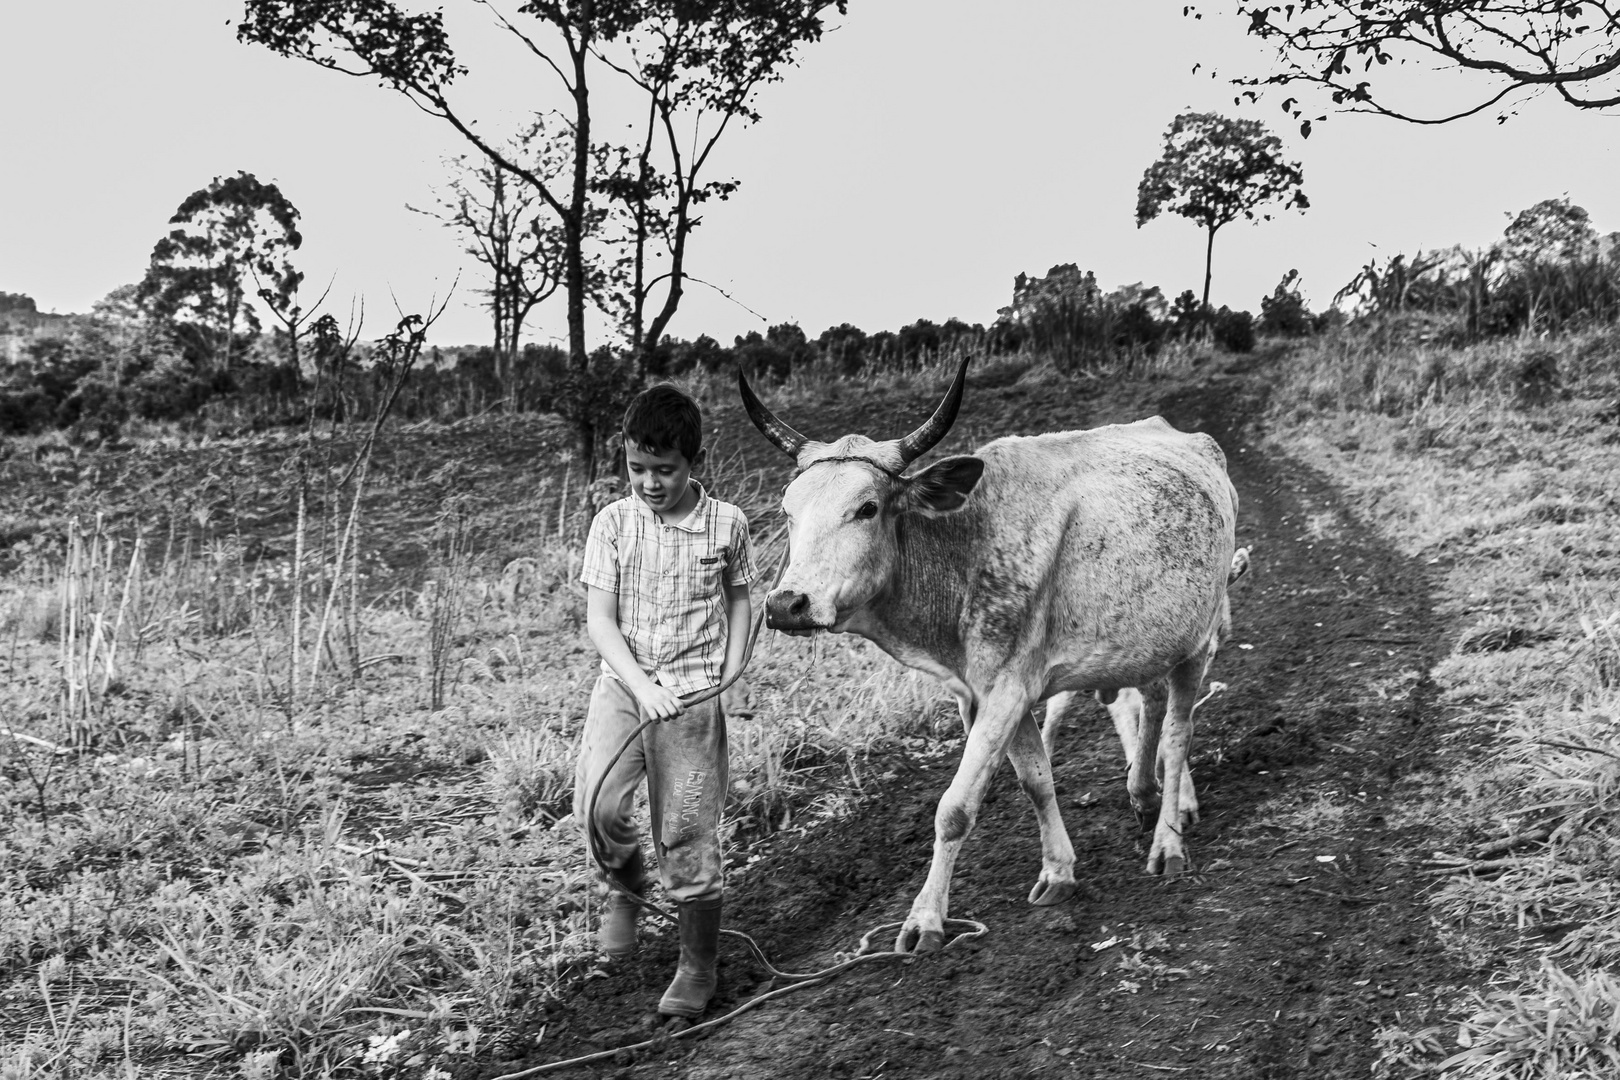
x=788, y=610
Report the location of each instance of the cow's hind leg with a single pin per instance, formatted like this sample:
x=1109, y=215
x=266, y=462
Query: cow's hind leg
x=1127, y=712
x=1142, y=712
x=1028, y=753
x=1168, y=855
x=998, y=715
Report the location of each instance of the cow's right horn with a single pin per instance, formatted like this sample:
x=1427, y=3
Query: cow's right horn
x=788, y=440
x=922, y=440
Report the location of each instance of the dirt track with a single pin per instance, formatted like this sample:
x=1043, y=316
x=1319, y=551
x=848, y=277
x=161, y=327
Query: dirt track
x=1280, y=956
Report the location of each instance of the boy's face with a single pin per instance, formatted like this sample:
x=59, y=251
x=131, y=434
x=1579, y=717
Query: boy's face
x=659, y=480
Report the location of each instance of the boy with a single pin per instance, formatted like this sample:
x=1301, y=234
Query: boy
x=667, y=571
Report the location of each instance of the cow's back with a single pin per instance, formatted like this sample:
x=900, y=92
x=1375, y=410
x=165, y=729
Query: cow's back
x=1106, y=549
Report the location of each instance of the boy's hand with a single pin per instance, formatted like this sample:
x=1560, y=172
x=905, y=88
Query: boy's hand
x=738, y=700
x=659, y=702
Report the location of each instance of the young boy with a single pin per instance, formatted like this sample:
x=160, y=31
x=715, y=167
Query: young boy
x=667, y=571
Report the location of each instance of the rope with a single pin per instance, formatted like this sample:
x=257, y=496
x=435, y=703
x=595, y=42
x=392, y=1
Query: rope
x=816, y=978
x=864, y=952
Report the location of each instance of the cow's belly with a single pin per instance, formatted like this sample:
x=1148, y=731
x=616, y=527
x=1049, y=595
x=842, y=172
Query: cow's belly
x=1135, y=660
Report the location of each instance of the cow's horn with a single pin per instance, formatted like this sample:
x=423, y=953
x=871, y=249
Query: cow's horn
x=922, y=440
x=769, y=426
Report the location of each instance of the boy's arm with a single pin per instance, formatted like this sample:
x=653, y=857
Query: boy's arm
x=602, y=623
x=739, y=619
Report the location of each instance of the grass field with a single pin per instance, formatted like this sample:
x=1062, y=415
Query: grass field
x=288, y=789
x=1507, y=485
x=286, y=740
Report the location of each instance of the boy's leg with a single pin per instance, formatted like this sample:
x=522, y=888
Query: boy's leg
x=613, y=715
x=687, y=777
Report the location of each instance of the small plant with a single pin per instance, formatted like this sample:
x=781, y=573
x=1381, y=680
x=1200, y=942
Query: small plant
x=1561, y=1025
x=531, y=772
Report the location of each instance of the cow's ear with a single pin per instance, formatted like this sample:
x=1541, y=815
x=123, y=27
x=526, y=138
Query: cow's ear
x=943, y=486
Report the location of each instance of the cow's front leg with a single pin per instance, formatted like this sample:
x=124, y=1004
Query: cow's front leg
x=1168, y=855
x=1028, y=752
x=997, y=719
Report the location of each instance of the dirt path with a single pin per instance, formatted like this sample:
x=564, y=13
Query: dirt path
x=1301, y=932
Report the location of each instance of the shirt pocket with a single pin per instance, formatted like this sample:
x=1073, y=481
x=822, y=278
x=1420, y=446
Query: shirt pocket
x=706, y=574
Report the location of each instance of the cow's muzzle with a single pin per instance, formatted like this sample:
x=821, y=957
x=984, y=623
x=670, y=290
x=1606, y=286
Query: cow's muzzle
x=790, y=611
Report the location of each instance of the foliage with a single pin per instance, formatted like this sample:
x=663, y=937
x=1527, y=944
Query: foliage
x=1514, y=48
x=1553, y=230
x=1233, y=330
x=507, y=229
x=1214, y=170
x=1066, y=314
x=232, y=240
x=1551, y=272
x=1284, y=312
x=696, y=68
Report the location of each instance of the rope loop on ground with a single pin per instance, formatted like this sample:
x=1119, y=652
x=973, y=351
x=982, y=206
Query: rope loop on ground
x=972, y=931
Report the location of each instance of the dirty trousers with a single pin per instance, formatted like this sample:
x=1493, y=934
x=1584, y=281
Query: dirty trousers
x=684, y=761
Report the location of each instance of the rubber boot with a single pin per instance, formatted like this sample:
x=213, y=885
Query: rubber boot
x=694, y=981
x=617, y=934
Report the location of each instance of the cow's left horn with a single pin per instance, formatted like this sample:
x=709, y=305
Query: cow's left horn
x=769, y=426
x=922, y=440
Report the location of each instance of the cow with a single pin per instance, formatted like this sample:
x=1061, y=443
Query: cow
x=1072, y=561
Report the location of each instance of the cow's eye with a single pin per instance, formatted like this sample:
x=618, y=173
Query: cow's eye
x=867, y=509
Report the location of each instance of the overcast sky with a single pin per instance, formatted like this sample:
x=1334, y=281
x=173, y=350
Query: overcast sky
x=925, y=152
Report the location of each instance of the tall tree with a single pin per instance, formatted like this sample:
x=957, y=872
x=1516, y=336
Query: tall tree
x=699, y=67
x=1553, y=230
x=1507, y=47
x=235, y=231
x=1215, y=170
x=569, y=40
x=511, y=234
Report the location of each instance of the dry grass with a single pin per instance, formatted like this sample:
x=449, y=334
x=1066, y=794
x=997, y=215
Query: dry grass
x=259, y=843
x=1507, y=487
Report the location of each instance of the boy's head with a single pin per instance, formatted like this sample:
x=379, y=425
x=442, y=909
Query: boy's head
x=661, y=419
x=663, y=442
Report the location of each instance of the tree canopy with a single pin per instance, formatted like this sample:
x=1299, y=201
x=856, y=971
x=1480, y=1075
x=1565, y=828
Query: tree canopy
x=1214, y=170
x=696, y=65
x=231, y=240
x=1511, y=47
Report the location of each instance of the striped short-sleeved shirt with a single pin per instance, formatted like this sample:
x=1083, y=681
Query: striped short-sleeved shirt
x=672, y=610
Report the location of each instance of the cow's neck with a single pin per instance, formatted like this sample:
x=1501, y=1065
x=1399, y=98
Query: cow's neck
x=917, y=619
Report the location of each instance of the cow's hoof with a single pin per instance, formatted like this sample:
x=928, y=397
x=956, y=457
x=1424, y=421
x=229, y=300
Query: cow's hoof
x=1048, y=893
x=914, y=939
x=1160, y=864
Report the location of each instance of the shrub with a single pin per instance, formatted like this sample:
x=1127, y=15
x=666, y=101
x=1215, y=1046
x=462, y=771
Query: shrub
x=1234, y=330
x=1284, y=312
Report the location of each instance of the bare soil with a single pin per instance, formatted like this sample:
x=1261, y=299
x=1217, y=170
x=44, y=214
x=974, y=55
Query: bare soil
x=1295, y=938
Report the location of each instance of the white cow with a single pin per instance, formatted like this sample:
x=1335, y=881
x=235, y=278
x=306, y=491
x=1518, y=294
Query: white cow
x=1074, y=561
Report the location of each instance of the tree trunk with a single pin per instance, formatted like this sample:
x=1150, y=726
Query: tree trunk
x=574, y=235
x=1209, y=259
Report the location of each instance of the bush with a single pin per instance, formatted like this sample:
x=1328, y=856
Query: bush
x=1284, y=313
x=1234, y=330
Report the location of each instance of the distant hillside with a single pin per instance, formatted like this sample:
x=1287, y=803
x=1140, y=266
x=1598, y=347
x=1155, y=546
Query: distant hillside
x=21, y=321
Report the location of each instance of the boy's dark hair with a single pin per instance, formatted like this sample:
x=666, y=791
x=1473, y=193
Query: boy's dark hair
x=662, y=418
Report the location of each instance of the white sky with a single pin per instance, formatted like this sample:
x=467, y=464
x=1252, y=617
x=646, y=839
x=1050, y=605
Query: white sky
x=924, y=153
